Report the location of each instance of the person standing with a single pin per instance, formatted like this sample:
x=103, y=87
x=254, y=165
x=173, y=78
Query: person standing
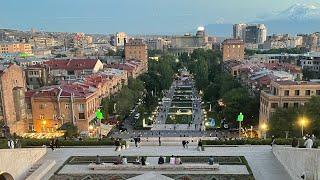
x=135, y=141
x=200, y=145
x=159, y=141
x=308, y=143
x=295, y=142
x=184, y=143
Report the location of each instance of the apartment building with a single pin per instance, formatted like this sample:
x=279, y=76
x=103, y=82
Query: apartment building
x=15, y=48
x=284, y=94
x=136, y=49
x=233, y=49
x=53, y=106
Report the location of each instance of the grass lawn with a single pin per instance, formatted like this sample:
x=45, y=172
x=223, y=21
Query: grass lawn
x=179, y=119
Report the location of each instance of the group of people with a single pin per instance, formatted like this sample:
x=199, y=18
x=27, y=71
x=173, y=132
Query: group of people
x=137, y=141
x=14, y=143
x=309, y=141
x=54, y=143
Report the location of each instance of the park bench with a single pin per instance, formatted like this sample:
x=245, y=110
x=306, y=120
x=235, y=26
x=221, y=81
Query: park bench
x=163, y=167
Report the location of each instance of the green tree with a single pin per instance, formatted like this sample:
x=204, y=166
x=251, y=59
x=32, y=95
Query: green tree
x=201, y=74
x=312, y=112
x=283, y=120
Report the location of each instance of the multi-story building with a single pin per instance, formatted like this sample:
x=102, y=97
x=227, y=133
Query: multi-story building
x=53, y=106
x=239, y=31
x=136, y=49
x=71, y=69
x=250, y=33
x=188, y=43
x=42, y=42
x=120, y=39
x=232, y=49
x=15, y=48
x=12, y=92
x=156, y=44
x=311, y=61
x=284, y=94
x=37, y=76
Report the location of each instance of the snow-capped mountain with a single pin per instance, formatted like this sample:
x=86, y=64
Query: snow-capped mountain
x=299, y=12
x=298, y=18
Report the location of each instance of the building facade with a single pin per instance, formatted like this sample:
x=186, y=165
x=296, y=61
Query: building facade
x=12, y=104
x=284, y=94
x=232, y=49
x=136, y=49
x=15, y=48
x=120, y=39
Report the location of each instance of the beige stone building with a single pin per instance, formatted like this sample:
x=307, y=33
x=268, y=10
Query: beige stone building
x=12, y=92
x=15, y=48
x=136, y=49
x=233, y=49
x=284, y=94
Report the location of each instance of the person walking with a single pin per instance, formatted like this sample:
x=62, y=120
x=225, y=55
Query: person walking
x=52, y=145
x=57, y=143
x=135, y=141
x=273, y=141
x=159, y=141
x=200, y=148
x=117, y=144
x=184, y=143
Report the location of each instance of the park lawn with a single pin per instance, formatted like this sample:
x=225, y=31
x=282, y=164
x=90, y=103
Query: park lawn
x=179, y=119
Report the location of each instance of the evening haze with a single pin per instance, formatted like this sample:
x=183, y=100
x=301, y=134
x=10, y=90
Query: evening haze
x=135, y=17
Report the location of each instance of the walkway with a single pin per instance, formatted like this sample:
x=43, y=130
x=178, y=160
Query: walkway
x=263, y=163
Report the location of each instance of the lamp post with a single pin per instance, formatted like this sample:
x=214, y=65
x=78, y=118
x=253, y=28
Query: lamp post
x=303, y=123
x=264, y=128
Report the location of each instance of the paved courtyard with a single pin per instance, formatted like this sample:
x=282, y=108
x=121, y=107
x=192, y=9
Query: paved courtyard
x=263, y=163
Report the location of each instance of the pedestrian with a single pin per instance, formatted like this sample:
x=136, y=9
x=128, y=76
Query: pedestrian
x=200, y=145
x=195, y=126
x=57, y=143
x=273, y=141
x=187, y=144
x=9, y=144
x=189, y=124
x=295, y=142
x=308, y=143
x=52, y=144
x=313, y=137
x=135, y=141
x=143, y=161
x=117, y=144
x=159, y=141
x=184, y=143
x=174, y=127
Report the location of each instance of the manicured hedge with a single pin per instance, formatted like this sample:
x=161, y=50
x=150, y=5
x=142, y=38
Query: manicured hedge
x=252, y=142
x=41, y=142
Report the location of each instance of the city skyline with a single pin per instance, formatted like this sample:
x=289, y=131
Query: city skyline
x=148, y=17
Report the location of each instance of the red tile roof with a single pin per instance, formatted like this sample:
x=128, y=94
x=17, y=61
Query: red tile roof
x=72, y=64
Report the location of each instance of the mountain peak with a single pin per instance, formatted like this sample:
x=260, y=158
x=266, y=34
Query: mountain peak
x=300, y=12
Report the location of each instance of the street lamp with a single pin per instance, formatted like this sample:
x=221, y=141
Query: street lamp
x=264, y=128
x=303, y=122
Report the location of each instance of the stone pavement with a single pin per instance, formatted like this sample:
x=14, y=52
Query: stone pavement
x=263, y=163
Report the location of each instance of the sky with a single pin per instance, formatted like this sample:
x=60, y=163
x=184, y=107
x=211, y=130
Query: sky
x=133, y=16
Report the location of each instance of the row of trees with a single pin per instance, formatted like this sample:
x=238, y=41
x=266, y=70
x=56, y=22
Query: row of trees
x=289, y=120
x=218, y=85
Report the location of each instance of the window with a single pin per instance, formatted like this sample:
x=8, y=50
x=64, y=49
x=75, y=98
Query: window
x=42, y=106
x=81, y=107
x=285, y=105
x=308, y=93
x=41, y=116
x=318, y=92
x=67, y=106
x=81, y=116
x=295, y=105
x=286, y=92
x=274, y=105
x=297, y=92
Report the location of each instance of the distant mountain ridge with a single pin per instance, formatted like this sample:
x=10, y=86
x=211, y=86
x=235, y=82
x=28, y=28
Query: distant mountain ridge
x=299, y=18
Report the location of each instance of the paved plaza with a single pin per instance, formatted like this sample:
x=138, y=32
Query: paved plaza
x=263, y=163
x=196, y=112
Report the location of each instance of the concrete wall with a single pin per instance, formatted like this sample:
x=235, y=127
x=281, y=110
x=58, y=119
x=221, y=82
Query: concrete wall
x=18, y=161
x=299, y=161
